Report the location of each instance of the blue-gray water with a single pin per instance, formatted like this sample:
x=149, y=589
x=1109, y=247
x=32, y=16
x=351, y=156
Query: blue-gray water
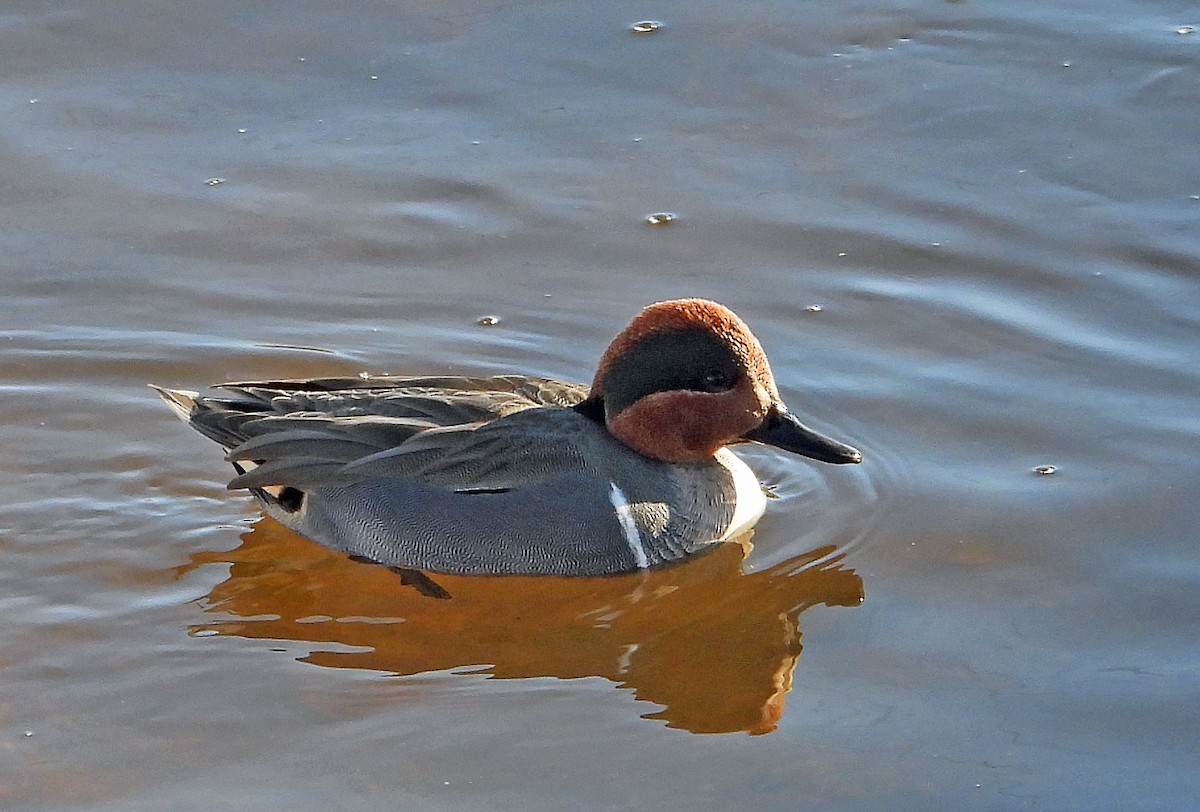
x=995, y=206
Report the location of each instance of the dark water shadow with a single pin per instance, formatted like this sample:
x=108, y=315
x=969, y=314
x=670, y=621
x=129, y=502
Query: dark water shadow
x=714, y=646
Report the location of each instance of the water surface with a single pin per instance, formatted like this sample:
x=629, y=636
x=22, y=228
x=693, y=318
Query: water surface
x=996, y=210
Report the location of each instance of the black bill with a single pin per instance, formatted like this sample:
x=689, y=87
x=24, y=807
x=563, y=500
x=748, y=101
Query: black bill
x=780, y=429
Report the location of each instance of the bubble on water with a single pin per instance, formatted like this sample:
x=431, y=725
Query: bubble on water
x=661, y=218
x=1045, y=470
x=1185, y=29
x=214, y=181
x=488, y=321
x=646, y=27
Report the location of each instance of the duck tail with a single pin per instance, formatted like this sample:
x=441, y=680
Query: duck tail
x=218, y=419
x=181, y=401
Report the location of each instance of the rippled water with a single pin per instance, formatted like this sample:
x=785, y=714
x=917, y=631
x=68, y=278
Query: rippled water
x=968, y=236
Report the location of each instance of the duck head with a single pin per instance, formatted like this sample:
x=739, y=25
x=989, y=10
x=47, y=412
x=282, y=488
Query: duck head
x=686, y=378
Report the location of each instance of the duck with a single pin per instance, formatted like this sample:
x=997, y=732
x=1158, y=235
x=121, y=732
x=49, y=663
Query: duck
x=515, y=474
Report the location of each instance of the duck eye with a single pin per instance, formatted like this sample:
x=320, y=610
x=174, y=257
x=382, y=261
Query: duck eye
x=717, y=380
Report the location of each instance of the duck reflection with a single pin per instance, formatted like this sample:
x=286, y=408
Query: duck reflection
x=714, y=646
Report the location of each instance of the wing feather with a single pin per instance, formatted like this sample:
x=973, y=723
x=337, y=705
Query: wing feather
x=468, y=434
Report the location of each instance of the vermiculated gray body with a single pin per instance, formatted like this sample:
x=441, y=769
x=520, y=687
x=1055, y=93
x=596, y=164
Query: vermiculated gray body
x=460, y=475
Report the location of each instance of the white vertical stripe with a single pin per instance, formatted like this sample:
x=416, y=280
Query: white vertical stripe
x=628, y=525
x=748, y=500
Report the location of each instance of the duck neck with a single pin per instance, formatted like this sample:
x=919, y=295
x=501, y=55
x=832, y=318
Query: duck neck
x=592, y=408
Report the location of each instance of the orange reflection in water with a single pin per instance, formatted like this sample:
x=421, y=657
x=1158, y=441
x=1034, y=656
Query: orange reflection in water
x=714, y=646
